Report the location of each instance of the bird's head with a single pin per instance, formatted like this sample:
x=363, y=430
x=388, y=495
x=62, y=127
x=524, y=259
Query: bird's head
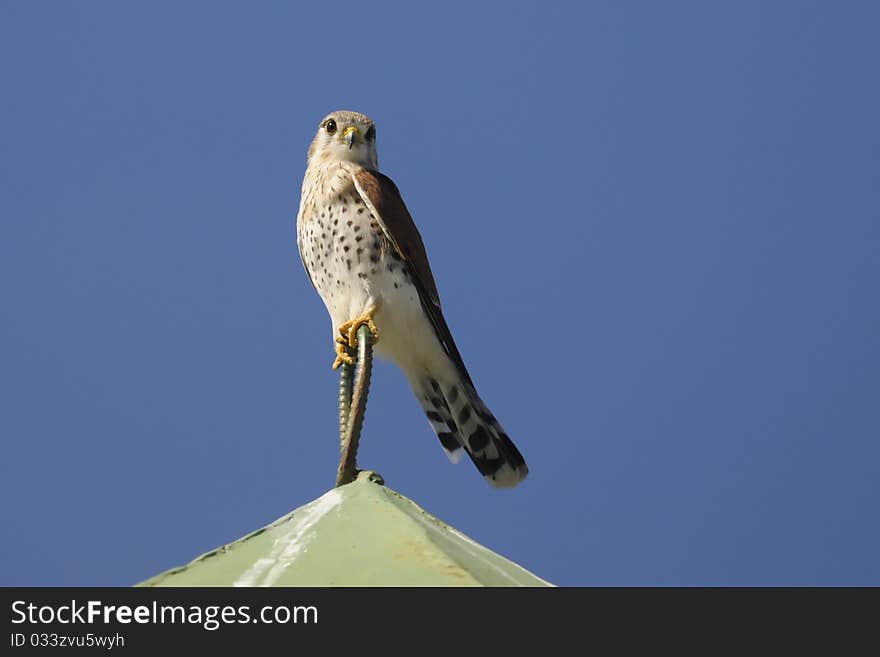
x=345, y=136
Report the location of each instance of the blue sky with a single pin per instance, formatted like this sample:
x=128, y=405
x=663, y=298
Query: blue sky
x=654, y=227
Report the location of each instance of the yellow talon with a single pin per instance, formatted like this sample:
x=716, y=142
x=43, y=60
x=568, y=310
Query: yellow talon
x=349, y=330
x=341, y=354
x=348, y=336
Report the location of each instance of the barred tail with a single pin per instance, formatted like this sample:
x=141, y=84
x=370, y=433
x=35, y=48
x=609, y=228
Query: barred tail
x=461, y=421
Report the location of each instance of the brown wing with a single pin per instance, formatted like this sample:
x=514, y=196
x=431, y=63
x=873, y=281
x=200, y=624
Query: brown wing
x=382, y=196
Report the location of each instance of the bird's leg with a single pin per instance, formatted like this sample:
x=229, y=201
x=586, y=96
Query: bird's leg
x=347, y=338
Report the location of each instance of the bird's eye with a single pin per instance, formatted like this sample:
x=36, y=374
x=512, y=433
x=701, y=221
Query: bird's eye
x=371, y=133
x=330, y=126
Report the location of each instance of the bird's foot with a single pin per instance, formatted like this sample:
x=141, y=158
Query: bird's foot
x=342, y=355
x=350, y=329
x=347, y=339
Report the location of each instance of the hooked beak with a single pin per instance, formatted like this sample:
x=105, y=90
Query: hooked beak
x=349, y=135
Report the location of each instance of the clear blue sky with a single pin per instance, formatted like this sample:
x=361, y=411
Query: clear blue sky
x=655, y=228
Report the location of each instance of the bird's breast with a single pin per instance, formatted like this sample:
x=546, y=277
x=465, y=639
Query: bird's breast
x=349, y=260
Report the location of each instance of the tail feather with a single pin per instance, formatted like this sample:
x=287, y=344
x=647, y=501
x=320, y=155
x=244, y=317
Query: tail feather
x=462, y=422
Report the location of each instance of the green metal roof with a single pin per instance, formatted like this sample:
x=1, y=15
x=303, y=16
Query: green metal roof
x=361, y=534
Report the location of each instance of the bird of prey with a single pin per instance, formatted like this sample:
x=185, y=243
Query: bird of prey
x=365, y=258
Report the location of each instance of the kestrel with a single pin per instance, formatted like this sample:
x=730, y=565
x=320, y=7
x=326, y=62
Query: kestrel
x=365, y=258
